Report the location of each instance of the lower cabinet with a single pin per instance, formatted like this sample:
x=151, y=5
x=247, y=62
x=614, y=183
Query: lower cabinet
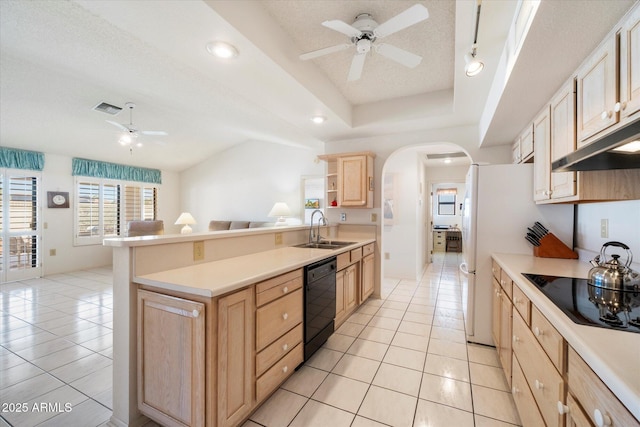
x=501, y=324
x=367, y=277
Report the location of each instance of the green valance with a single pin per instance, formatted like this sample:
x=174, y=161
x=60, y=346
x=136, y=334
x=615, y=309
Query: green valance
x=21, y=159
x=95, y=169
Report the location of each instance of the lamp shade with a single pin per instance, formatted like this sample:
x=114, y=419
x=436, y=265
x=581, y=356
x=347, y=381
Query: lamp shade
x=185, y=219
x=280, y=210
x=473, y=66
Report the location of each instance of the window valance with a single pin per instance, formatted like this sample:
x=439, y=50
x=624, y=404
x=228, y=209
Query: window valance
x=21, y=159
x=96, y=169
x=441, y=191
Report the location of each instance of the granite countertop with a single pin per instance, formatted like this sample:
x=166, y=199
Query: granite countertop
x=215, y=278
x=612, y=355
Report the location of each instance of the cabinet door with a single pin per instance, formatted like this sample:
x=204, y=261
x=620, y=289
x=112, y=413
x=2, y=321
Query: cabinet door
x=563, y=139
x=368, y=273
x=171, y=359
x=515, y=151
x=597, y=90
x=351, y=287
x=495, y=314
x=340, y=296
x=526, y=143
x=352, y=173
x=630, y=65
x=505, y=336
x=235, y=356
x=542, y=165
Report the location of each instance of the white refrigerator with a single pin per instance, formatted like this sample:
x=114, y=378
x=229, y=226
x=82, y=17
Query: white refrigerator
x=498, y=207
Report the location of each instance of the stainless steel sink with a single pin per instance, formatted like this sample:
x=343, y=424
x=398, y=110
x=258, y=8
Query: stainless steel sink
x=325, y=244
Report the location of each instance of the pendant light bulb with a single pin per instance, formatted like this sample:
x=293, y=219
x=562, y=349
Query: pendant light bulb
x=473, y=66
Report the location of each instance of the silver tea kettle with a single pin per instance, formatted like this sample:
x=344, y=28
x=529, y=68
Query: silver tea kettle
x=610, y=274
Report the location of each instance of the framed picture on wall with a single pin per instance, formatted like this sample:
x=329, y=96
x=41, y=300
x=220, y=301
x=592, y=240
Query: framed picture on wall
x=312, y=203
x=57, y=199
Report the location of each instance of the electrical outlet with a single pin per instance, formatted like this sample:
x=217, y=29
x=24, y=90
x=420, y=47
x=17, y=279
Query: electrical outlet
x=198, y=250
x=374, y=217
x=343, y=216
x=604, y=228
x=386, y=255
x=278, y=238
x=52, y=252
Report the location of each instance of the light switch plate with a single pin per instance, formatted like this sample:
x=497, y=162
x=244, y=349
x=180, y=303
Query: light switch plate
x=374, y=217
x=198, y=250
x=604, y=228
x=278, y=238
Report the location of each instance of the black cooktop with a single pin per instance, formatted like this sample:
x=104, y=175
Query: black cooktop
x=590, y=305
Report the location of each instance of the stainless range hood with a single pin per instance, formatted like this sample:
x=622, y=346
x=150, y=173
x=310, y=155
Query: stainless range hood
x=602, y=154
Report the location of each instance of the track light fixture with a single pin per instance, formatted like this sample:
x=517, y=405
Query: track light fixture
x=473, y=65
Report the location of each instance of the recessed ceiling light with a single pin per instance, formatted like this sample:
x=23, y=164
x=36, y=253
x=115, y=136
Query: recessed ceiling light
x=318, y=119
x=222, y=49
x=447, y=160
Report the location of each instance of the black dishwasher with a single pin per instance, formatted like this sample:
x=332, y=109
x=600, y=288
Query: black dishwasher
x=319, y=304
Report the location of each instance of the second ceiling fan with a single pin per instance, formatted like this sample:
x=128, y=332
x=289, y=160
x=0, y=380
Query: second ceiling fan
x=365, y=31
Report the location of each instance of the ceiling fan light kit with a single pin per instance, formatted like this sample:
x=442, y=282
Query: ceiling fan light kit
x=130, y=132
x=363, y=34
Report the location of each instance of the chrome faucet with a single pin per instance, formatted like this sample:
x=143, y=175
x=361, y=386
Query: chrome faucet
x=324, y=222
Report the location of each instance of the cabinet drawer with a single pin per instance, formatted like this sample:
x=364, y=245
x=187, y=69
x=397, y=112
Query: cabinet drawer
x=495, y=270
x=593, y=395
x=272, y=289
x=278, y=373
x=278, y=317
x=527, y=408
x=576, y=416
x=506, y=283
x=522, y=304
x=356, y=254
x=274, y=352
x=545, y=383
x=549, y=338
x=343, y=260
x=367, y=249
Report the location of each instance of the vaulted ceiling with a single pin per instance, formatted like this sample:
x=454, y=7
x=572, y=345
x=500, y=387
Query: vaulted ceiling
x=59, y=59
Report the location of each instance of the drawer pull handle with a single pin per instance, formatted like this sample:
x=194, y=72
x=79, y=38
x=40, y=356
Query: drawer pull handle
x=516, y=339
x=285, y=347
x=285, y=316
x=516, y=300
x=195, y=313
x=285, y=369
x=285, y=290
x=562, y=408
x=539, y=385
x=502, y=282
x=538, y=331
x=601, y=419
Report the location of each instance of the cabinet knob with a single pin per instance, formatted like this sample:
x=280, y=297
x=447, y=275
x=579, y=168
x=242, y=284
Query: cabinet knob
x=616, y=107
x=516, y=339
x=516, y=300
x=538, y=332
x=515, y=390
x=624, y=106
x=562, y=408
x=195, y=313
x=539, y=385
x=285, y=347
x=601, y=419
x=285, y=316
x=285, y=369
x=502, y=282
x=606, y=115
x=285, y=290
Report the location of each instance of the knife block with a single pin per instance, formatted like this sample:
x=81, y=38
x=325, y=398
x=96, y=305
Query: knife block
x=552, y=247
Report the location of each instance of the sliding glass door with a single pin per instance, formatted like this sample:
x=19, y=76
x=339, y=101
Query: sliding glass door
x=20, y=237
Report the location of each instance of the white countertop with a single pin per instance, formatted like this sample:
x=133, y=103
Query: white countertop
x=613, y=355
x=220, y=277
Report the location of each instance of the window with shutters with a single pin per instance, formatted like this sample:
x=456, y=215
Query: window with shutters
x=104, y=207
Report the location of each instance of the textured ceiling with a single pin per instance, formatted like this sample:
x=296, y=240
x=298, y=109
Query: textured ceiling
x=382, y=79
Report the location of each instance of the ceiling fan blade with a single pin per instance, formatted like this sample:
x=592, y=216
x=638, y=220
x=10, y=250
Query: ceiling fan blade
x=154, y=132
x=342, y=27
x=401, y=56
x=324, y=51
x=413, y=15
x=356, y=66
x=119, y=126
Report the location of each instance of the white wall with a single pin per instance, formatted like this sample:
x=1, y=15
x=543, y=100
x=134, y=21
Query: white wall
x=624, y=226
x=57, y=232
x=244, y=182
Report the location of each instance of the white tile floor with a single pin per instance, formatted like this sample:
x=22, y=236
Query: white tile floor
x=399, y=361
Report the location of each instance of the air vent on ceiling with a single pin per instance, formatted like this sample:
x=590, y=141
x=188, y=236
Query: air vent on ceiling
x=445, y=155
x=107, y=108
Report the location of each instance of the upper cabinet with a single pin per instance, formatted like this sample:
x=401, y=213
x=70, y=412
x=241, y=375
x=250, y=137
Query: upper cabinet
x=522, y=148
x=609, y=82
x=542, y=165
x=349, y=179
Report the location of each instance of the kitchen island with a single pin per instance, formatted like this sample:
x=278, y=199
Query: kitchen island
x=202, y=266
x=612, y=355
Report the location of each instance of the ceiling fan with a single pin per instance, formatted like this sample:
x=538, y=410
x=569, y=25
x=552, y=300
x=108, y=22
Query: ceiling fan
x=131, y=130
x=365, y=31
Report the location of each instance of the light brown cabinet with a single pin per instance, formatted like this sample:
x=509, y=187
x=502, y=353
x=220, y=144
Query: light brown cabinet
x=171, y=359
x=349, y=179
x=367, y=279
x=501, y=318
x=542, y=165
x=563, y=140
x=439, y=241
x=350, y=288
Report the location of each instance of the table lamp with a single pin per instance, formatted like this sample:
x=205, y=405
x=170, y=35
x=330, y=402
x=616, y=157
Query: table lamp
x=280, y=210
x=185, y=219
